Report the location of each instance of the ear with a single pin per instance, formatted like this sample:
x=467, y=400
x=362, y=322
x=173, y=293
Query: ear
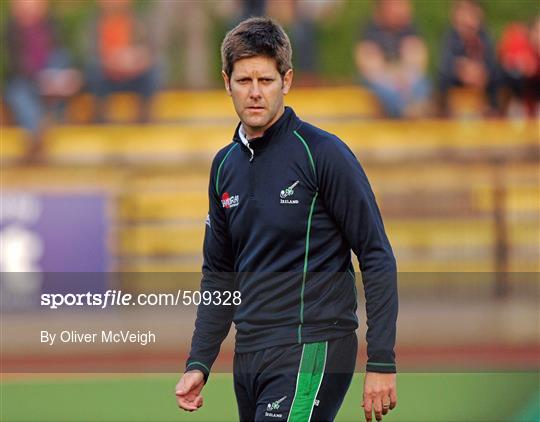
x=227, y=82
x=287, y=82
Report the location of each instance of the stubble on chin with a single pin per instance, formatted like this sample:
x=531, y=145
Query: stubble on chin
x=256, y=123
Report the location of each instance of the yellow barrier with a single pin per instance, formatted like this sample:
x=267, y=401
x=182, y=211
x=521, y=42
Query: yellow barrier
x=381, y=140
x=181, y=106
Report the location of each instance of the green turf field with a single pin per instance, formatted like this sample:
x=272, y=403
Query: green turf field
x=421, y=397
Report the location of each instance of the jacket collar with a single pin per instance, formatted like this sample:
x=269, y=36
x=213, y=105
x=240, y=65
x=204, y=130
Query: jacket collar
x=282, y=125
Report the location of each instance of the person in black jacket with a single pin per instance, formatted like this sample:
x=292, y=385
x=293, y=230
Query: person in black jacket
x=288, y=201
x=468, y=57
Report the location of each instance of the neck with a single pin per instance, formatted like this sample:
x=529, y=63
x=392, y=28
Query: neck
x=252, y=133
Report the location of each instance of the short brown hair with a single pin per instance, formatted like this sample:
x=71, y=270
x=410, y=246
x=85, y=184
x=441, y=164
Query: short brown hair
x=258, y=36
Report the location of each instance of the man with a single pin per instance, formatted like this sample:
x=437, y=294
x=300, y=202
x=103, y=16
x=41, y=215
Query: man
x=392, y=59
x=288, y=201
x=122, y=56
x=468, y=57
x=40, y=77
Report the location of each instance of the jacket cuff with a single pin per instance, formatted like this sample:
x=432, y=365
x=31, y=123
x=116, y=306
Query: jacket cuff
x=381, y=361
x=385, y=368
x=199, y=366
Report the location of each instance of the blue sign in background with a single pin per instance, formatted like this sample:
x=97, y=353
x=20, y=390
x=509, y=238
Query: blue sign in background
x=74, y=232
x=46, y=236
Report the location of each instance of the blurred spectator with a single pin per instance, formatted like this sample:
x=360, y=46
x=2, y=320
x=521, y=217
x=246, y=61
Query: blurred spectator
x=299, y=16
x=251, y=8
x=40, y=76
x=519, y=53
x=302, y=21
x=122, y=56
x=183, y=31
x=303, y=39
x=392, y=58
x=468, y=57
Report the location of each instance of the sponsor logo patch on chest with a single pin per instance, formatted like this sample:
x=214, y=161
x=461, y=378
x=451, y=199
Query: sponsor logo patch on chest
x=230, y=201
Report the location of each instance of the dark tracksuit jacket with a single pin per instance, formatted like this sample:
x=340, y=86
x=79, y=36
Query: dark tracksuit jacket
x=281, y=226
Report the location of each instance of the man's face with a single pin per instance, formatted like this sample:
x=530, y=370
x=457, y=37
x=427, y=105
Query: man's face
x=393, y=14
x=467, y=18
x=257, y=91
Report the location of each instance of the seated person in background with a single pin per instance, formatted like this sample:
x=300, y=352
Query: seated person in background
x=122, y=58
x=468, y=57
x=392, y=58
x=39, y=74
x=519, y=54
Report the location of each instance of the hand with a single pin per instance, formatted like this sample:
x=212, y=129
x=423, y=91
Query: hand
x=380, y=394
x=188, y=390
x=472, y=73
x=127, y=62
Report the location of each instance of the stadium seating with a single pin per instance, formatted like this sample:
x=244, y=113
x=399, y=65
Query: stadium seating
x=439, y=218
x=466, y=103
x=183, y=106
x=438, y=182
x=382, y=140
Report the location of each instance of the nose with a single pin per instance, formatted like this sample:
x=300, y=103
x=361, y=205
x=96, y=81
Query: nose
x=254, y=91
